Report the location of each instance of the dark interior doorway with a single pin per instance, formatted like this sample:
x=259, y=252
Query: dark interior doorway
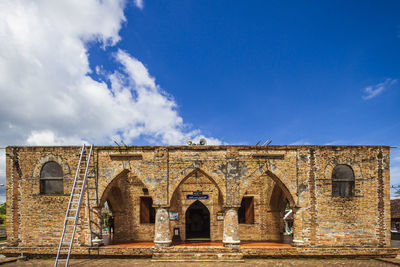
x=197, y=222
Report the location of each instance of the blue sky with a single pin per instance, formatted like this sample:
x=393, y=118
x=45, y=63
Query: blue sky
x=291, y=71
x=315, y=72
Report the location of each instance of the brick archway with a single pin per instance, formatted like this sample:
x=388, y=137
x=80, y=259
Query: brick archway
x=278, y=182
x=109, y=187
x=218, y=185
x=103, y=193
x=283, y=187
x=197, y=221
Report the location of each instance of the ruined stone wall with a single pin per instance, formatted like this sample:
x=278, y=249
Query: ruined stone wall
x=361, y=220
x=365, y=215
x=35, y=219
x=302, y=173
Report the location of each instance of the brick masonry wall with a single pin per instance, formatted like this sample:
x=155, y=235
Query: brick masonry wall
x=302, y=173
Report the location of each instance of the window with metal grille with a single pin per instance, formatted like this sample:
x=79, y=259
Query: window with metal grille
x=246, y=210
x=51, y=179
x=342, y=181
x=147, y=212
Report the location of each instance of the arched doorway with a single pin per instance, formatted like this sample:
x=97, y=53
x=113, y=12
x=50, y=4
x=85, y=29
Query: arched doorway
x=130, y=203
x=197, y=222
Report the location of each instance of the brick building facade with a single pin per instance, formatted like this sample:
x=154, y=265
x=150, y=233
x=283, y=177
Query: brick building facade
x=340, y=195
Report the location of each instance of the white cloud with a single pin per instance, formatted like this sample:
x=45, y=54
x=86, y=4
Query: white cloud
x=48, y=138
x=374, y=90
x=2, y=166
x=301, y=142
x=48, y=97
x=139, y=3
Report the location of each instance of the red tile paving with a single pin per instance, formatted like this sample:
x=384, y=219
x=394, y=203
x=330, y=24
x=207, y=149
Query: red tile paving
x=200, y=244
x=132, y=244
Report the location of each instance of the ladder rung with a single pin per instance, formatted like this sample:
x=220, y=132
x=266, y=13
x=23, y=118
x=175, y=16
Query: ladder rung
x=69, y=237
x=70, y=217
x=72, y=225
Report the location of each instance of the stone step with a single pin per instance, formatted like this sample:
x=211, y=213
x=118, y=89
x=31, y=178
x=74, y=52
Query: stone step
x=198, y=256
x=193, y=249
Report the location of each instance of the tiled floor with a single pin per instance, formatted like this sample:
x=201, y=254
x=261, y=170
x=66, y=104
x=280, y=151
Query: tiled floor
x=202, y=244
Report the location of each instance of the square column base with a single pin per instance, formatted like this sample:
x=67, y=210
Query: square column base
x=232, y=245
x=164, y=244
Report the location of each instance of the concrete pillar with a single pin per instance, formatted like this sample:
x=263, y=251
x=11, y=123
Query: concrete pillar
x=162, y=231
x=231, y=228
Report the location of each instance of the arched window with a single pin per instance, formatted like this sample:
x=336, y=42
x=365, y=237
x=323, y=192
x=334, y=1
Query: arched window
x=342, y=181
x=51, y=179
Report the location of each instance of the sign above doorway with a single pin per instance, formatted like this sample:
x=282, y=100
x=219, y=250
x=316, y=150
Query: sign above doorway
x=192, y=196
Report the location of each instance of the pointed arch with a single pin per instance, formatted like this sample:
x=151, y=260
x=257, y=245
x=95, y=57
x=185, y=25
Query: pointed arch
x=282, y=187
x=107, y=189
x=197, y=220
x=217, y=182
x=278, y=182
x=277, y=199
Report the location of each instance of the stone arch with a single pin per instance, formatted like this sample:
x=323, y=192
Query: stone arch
x=282, y=187
x=37, y=169
x=51, y=178
x=277, y=199
x=107, y=191
x=116, y=199
x=103, y=191
x=207, y=205
x=357, y=174
x=276, y=179
x=357, y=171
x=47, y=158
x=205, y=224
x=122, y=192
x=216, y=181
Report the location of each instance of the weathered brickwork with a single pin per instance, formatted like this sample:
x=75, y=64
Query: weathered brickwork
x=272, y=176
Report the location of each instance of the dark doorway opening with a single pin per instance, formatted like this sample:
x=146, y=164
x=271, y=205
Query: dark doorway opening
x=197, y=222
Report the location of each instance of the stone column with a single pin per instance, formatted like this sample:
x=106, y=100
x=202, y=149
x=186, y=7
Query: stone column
x=97, y=236
x=231, y=228
x=162, y=231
